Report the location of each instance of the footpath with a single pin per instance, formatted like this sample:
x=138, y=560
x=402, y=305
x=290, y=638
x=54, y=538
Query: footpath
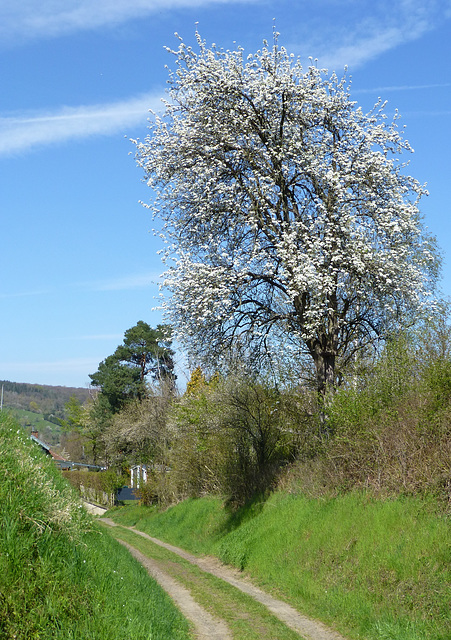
x=171, y=577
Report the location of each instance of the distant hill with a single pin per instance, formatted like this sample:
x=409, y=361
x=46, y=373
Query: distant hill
x=49, y=401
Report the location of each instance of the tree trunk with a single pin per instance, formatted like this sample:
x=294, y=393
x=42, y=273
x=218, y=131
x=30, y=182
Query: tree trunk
x=324, y=360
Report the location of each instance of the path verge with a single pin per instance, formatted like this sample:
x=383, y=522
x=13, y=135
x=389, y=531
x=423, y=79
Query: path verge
x=206, y=626
x=306, y=627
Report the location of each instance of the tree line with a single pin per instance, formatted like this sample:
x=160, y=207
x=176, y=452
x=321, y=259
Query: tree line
x=46, y=399
x=238, y=434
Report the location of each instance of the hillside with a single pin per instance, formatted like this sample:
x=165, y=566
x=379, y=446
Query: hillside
x=60, y=577
x=45, y=399
x=39, y=407
x=373, y=569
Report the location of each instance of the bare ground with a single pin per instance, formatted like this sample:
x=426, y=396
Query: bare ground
x=95, y=509
x=208, y=627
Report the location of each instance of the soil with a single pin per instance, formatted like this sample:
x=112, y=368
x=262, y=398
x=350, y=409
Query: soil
x=206, y=626
x=95, y=509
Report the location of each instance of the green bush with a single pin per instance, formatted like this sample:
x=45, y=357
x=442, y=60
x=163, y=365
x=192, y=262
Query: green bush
x=98, y=486
x=390, y=431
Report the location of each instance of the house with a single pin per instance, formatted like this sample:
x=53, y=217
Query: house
x=46, y=448
x=60, y=461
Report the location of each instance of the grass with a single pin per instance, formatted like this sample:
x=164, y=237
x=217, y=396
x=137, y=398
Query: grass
x=61, y=575
x=246, y=618
x=375, y=569
x=33, y=419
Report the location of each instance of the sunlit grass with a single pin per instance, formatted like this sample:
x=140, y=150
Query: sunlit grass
x=61, y=576
x=377, y=569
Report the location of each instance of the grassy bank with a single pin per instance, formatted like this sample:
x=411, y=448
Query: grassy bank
x=377, y=569
x=246, y=618
x=60, y=575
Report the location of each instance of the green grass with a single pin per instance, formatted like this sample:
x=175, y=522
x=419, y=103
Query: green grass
x=61, y=575
x=33, y=419
x=246, y=618
x=376, y=569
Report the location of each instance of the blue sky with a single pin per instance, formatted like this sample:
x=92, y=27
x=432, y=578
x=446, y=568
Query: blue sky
x=78, y=258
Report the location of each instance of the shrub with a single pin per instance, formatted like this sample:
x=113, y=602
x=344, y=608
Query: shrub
x=98, y=486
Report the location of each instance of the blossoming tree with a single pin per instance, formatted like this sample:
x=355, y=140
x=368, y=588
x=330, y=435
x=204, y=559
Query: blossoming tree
x=288, y=214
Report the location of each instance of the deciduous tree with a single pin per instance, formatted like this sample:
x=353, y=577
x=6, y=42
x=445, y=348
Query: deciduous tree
x=287, y=210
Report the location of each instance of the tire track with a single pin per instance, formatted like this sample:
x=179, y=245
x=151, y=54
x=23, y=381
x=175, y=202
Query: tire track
x=206, y=626
x=306, y=627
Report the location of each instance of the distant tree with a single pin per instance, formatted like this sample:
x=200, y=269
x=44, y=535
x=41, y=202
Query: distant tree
x=149, y=350
x=138, y=434
x=82, y=430
x=117, y=382
x=288, y=213
x=144, y=352
x=197, y=382
x=122, y=377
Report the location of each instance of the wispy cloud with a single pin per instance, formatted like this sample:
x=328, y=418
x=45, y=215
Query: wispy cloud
x=24, y=294
x=366, y=47
x=21, y=132
x=406, y=87
x=358, y=37
x=27, y=19
x=125, y=283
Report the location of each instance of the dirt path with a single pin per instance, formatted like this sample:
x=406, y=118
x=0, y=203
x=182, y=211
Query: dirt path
x=206, y=626
x=307, y=628
x=95, y=509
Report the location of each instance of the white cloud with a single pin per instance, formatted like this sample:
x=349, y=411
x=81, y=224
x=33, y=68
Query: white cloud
x=367, y=47
x=24, y=294
x=360, y=36
x=405, y=87
x=125, y=283
x=25, y=131
x=26, y=19
x=367, y=34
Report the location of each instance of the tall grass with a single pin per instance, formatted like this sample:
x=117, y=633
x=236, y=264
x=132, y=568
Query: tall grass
x=377, y=569
x=60, y=576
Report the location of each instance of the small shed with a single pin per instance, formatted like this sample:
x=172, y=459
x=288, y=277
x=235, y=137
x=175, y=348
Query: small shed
x=138, y=475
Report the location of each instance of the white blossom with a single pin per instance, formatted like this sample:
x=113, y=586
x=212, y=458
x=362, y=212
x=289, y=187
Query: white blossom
x=287, y=210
